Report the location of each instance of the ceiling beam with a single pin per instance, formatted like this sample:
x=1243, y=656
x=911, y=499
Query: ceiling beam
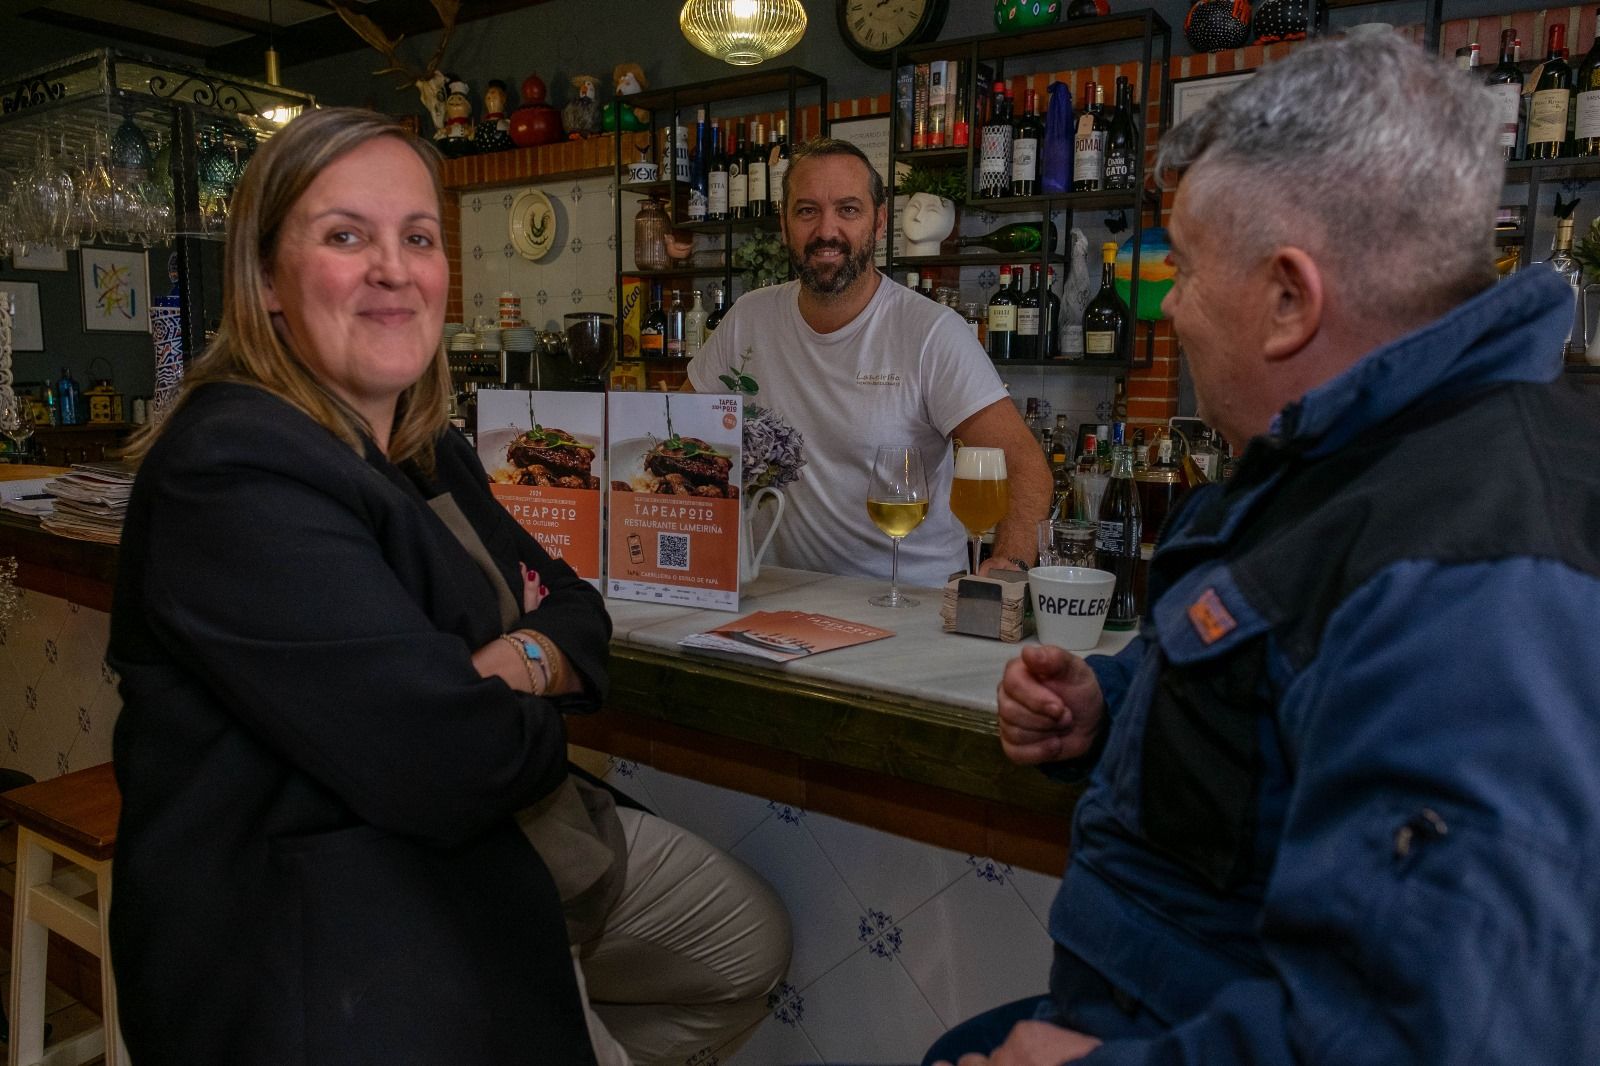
x=206, y=13
x=320, y=38
x=115, y=33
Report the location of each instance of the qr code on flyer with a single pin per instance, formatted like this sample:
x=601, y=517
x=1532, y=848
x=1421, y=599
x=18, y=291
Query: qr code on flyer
x=672, y=551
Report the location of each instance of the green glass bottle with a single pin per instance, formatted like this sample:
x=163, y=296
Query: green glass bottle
x=1011, y=239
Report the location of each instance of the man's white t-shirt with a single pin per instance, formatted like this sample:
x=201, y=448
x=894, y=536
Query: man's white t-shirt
x=904, y=371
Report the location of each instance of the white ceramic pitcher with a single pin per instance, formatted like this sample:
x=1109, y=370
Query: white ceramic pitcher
x=751, y=553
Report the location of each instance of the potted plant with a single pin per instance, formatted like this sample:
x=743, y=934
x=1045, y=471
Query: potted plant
x=928, y=216
x=761, y=260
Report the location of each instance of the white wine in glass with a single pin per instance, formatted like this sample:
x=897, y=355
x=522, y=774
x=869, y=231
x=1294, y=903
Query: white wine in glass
x=980, y=493
x=897, y=502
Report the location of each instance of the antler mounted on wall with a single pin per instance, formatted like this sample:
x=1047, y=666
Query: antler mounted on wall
x=429, y=80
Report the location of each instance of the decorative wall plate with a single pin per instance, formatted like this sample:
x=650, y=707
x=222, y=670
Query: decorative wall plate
x=533, y=224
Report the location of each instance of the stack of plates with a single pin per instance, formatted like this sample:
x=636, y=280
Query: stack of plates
x=519, y=339
x=464, y=342
x=450, y=330
x=489, y=340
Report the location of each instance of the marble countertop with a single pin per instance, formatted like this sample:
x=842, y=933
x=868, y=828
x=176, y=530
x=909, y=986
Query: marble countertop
x=920, y=661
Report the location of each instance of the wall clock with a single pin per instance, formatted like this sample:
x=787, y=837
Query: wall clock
x=875, y=28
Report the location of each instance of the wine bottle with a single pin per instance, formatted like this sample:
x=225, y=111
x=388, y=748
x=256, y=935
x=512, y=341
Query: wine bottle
x=1586, y=118
x=653, y=329
x=698, y=167
x=1116, y=539
x=1026, y=138
x=1049, y=318
x=778, y=165
x=755, y=169
x=1012, y=238
x=673, y=336
x=1122, y=140
x=994, y=152
x=1026, y=343
x=1089, y=147
x=1505, y=84
x=1547, y=118
x=738, y=179
x=1002, y=318
x=1107, y=324
x=714, y=319
x=717, y=180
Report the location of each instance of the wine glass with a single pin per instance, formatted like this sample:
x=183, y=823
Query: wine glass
x=980, y=494
x=897, y=502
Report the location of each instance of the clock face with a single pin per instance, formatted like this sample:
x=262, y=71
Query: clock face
x=874, y=28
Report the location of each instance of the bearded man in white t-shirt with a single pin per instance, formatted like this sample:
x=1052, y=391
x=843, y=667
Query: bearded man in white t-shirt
x=853, y=360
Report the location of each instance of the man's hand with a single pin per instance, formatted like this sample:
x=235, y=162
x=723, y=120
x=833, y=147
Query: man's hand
x=1051, y=706
x=1035, y=1044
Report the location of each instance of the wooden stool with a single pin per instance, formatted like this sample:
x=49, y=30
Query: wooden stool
x=73, y=817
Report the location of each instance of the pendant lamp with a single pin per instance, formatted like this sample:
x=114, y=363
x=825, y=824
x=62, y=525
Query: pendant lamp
x=743, y=32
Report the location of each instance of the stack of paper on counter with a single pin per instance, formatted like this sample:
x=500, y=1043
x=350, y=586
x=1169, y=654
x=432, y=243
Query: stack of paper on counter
x=90, y=502
x=26, y=497
x=780, y=636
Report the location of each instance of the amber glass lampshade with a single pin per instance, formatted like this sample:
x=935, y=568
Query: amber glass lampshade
x=743, y=32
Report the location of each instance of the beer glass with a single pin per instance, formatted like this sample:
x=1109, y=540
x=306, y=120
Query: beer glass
x=897, y=502
x=980, y=494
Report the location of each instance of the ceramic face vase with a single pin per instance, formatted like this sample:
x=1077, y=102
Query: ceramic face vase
x=926, y=222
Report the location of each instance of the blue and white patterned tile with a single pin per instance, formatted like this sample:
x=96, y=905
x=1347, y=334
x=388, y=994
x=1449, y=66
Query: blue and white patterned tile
x=721, y=816
x=974, y=946
x=821, y=908
x=1038, y=891
x=868, y=1010
x=889, y=872
x=769, y=1043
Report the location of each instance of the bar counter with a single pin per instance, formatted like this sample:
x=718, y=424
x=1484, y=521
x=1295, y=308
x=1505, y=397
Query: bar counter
x=899, y=734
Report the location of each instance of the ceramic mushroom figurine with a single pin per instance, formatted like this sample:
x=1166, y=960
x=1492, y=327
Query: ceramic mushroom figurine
x=582, y=113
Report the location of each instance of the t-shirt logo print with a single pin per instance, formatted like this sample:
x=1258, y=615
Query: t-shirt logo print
x=866, y=377
x=1210, y=618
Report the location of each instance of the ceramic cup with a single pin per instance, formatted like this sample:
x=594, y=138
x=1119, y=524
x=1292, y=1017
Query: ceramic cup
x=641, y=172
x=1070, y=604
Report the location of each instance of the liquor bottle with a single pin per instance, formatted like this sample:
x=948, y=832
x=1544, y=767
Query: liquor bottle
x=1089, y=146
x=1075, y=298
x=1013, y=238
x=1141, y=453
x=1568, y=270
x=927, y=287
x=1205, y=456
x=69, y=408
x=1116, y=539
x=673, y=335
x=698, y=168
x=1026, y=139
x=755, y=169
x=694, y=326
x=1122, y=140
x=714, y=319
x=1586, y=119
x=1547, y=116
x=994, y=151
x=778, y=164
x=913, y=280
x=717, y=179
x=738, y=179
x=1505, y=84
x=1026, y=343
x=1002, y=318
x=653, y=328
x=1049, y=318
x=1107, y=324
x=1035, y=421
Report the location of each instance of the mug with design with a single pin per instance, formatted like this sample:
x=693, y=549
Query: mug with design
x=510, y=310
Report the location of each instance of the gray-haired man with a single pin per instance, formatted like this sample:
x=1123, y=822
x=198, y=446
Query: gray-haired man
x=1345, y=785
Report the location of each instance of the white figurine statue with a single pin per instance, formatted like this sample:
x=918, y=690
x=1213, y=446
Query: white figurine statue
x=926, y=222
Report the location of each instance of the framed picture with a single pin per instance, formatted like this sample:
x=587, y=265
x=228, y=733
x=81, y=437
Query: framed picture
x=40, y=259
x=116, y=291
x=27, y=333
x=1189, y=95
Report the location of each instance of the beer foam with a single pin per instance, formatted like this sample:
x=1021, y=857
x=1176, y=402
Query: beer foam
x=981, y=464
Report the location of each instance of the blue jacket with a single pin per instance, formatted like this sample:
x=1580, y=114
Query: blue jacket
x=1348, y=806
